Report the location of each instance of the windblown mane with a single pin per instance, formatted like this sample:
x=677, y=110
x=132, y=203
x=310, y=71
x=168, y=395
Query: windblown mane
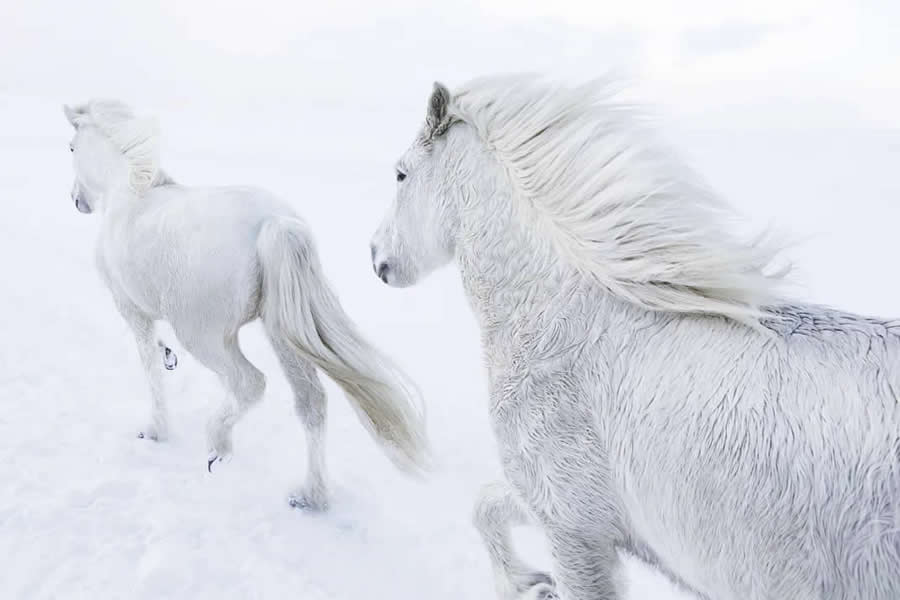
x=614, y=203
x=136, y=138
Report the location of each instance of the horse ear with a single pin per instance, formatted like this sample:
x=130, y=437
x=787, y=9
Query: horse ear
x=437, y=105
x=73, y=114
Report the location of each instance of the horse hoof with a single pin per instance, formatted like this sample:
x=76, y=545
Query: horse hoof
x=170, y=359
x=535, y=586
x=305, y=503
x=542, y=591
x=215, y=457
x=150, y=433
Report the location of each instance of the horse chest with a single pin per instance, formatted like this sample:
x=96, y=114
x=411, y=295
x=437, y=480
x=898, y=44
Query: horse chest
x=551, y=451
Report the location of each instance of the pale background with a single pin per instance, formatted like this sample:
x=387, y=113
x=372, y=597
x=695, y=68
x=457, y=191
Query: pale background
x=788, y=107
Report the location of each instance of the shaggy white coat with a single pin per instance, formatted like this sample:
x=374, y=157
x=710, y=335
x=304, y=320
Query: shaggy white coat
x=650, y=391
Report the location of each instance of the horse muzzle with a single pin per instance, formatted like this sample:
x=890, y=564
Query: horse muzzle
x=80, y=203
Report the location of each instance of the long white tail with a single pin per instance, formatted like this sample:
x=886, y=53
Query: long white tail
x=298, y=304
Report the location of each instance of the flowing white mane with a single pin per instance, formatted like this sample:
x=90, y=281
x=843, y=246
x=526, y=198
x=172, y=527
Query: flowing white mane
x=616, y=204
x=136, y=138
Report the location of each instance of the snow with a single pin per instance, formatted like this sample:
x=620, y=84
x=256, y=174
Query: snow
x=87, y=510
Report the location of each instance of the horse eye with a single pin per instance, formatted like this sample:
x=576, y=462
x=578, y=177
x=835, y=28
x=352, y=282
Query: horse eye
x=71, y=148
x=401, y=175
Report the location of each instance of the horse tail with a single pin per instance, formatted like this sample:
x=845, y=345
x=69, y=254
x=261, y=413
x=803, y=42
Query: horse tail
x=298, y=305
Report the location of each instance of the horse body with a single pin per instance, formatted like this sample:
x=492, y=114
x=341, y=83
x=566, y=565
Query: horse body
x=595, y=404
x=749, y=451
x=781, y=450
x=210, y=260
x=199, y=244
x=683, y=450
x=175, y=234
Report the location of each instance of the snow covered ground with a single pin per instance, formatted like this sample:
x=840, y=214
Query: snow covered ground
x=87, y=510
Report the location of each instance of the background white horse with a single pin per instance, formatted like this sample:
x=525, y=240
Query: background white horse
x=208, y=261
x=649, y=391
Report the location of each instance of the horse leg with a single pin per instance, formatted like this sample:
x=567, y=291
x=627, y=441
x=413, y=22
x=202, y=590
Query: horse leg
x=496, y=510
x=309, y=402
x=145, y=336
x=586, y=568
x=244, y=382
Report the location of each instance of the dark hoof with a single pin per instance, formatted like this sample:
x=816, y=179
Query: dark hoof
x=535, y=586
x=170, y=359
x=304, y=504
x=215, y=457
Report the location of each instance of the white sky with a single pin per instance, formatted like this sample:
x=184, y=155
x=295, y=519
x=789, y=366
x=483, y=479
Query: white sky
x=781, y=62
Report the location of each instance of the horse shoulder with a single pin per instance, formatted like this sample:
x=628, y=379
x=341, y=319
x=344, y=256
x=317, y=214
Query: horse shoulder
x=543, y=412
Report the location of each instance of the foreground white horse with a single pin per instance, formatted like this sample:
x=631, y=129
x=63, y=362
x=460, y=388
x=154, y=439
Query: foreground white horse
x=648, y=389
x=209, y=260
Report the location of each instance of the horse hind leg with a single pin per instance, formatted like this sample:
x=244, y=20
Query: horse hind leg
x=496, y=510
x=244, y=383
x=310, y=404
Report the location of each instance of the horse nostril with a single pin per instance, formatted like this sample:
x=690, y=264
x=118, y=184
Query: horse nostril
x=381, y=271
x=372, y=252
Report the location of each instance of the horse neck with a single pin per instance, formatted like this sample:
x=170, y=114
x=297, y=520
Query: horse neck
x=509, y=272
x=119, y=205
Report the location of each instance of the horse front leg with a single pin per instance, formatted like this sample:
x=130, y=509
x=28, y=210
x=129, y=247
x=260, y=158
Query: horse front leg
x=587, y=567
x=149, y=350
x=496, y=511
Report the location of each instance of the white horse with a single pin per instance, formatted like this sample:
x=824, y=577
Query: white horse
x=649, y=390
x=208, y=261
